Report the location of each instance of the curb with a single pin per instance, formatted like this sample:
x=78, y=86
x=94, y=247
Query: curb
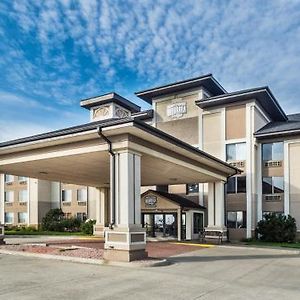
x=91, y=261
x=261, y=248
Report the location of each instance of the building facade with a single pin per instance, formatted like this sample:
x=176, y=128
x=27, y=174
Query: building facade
x=25, y=201
x=247, y=129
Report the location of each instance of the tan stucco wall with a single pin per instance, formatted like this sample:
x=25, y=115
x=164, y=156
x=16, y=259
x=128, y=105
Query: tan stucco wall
x=212, y=134
x=236, y=202
x=294, y=172
x=235, y=122
x=185, y=127
x=162, y=203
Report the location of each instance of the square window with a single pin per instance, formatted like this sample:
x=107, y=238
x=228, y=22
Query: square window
x=241, y=184
x=8, y=218
x=22, y=217
x=192, y=188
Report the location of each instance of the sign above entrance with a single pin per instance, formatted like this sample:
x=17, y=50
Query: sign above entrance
x=176, y=110
x=150, y=201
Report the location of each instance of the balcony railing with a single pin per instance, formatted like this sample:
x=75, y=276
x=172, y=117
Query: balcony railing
x=273, y=163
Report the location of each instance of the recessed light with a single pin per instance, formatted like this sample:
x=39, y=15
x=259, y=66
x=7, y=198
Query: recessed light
x=43, y=173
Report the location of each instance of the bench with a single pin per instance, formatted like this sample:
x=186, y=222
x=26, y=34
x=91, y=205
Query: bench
x=213, y=235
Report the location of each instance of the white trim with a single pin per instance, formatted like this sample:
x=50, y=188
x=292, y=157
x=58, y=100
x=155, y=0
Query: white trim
x=236, y=141
x=259, y=182
x=2, y=204
x=248, y=169
x=286, y=178
x=223, y=129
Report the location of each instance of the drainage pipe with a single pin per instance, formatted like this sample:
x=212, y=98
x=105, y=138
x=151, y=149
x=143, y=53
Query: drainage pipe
x=113, y=178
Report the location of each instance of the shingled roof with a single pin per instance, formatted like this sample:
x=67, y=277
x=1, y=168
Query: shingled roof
x=180, y=200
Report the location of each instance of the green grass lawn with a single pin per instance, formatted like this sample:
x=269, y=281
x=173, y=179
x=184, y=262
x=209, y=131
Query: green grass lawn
x=273, y=244
x=26, y=232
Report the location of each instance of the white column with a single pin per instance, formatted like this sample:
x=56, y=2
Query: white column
x=102, y=203
x=2, y=199
x=211, y=204
x=216, y=206
x=219, y=204
x=250, y=150
x=126, y=241
x=286, y=163
x=259, y=182
x=179, y=224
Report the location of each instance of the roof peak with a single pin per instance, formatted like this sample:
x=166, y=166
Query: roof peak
x=207, y=81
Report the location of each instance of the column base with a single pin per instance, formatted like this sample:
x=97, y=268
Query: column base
x=124, y=255
x=216, y=234
x=98, y=230
x=125, y=243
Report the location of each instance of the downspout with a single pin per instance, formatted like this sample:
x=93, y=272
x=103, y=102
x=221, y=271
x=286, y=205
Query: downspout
x=113, y=176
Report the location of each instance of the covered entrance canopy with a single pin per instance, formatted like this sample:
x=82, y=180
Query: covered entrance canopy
x=142, y=155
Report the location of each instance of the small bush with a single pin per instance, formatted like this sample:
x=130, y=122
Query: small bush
x=52, y=220
x=88, y=226
x=71, y=224
x=277, y=228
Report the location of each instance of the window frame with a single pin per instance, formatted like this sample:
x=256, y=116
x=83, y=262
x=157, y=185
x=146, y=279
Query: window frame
x=65, y=192
x=273, y=145
x=236, y=185
x=272, y=185
x=6, y=178
x=191, y=184
x=12, y=219
x=236, y=147
x=243, y=214
x=26, y=218
x=9, y=193
x=21, y=192
x=85, y=193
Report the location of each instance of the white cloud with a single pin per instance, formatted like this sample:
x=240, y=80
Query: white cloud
x=243, y=43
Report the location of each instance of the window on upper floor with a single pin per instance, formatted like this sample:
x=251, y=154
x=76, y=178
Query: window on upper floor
x=273, y=151
x=273, y=185
x=66, y=195
x=236, y=185
x=9, y=196
x=236, y=219
x=22, y=178
x=8, y=178
x=236, y=152
x=82, y=195
x=192, y=188
x=23, y=196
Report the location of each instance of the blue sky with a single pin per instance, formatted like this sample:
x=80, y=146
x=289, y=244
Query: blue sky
x=54, y=53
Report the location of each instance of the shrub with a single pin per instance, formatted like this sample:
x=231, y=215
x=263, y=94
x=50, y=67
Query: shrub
x=52, y=220
x=88, y=226
x=277, y=228
x=71, y=224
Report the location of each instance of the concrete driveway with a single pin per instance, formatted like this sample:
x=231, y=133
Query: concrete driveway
x=215, y=273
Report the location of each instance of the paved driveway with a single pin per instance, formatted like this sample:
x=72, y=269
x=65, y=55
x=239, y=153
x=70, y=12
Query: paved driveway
x=216, y=273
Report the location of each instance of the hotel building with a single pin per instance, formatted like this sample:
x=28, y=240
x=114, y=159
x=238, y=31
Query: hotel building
x=247, y=129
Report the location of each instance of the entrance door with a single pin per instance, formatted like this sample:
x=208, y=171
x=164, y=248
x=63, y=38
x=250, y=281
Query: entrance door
x=160, y=225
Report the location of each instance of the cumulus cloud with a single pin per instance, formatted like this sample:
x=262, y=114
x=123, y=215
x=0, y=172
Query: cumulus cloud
x=63, y=51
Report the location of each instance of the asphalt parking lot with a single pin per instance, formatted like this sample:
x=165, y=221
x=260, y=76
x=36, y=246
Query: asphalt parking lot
x=215, y=273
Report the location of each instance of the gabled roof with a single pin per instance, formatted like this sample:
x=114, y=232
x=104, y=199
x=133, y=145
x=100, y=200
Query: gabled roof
x=107, y=98
x=207, y=81
x=181, y=201
x=277, y=129
x=262, y=95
